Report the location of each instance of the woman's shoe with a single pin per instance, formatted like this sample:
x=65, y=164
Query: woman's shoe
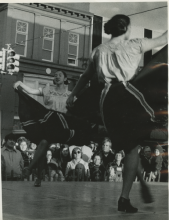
x=146, y=194
x=124, y=205
x=37, y=183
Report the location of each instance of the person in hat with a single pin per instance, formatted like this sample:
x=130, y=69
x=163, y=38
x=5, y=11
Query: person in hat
x=14, y=163
x=76, y=159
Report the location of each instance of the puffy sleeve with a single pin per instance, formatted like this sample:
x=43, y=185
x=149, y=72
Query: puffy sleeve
x=138, y=44
x=46, y=89
x=48, y=101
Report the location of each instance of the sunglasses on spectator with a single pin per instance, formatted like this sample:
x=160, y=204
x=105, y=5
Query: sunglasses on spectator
x=77, y=152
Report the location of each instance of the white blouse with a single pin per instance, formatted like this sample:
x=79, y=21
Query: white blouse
x=118, y=61
x=55, y=100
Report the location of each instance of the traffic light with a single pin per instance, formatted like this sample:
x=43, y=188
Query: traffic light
x=3, y=60
x=12, y=64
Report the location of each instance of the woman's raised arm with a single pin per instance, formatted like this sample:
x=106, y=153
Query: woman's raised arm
x=84, y=79
x=155, y=42
x=27, y=88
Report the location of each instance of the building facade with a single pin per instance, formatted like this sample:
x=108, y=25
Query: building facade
x=48, y=37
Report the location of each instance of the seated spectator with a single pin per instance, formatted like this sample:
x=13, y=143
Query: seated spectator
x=97, y=176
x=55, y=149
x=86, y=152
x=116, y=168
x=13, y=159
x=106, y=152
x=33, y=147
x=31, y=151
x=118, y=161
x=22, y=146
x=76, y=159
x=96, y=170
x=58, y=145
x=156, y=162
x=52, y=167
x=113, y=173
x=110, y=174
x=78, y=174
x=146, y=158
x=63, y=158
x=93, y=145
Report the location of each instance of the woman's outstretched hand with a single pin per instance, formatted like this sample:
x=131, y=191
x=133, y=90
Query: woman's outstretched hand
x=70, y=101
x=18, y=83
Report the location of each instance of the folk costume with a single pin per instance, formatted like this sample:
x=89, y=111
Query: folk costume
x=44, y=122
x=132, y=103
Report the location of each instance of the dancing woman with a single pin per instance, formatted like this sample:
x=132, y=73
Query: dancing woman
x=49, y=123
x=53, y=99
x=126, y=96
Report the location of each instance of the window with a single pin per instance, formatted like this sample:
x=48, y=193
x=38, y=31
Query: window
x=21, y=37
x=73, y=46
x=48, y=44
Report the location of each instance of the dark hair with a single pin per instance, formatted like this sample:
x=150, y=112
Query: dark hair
x=120, y=152
x=10, y=137
x=97, y=154
x=117, y=25
x=65, y=75
x=61, y=159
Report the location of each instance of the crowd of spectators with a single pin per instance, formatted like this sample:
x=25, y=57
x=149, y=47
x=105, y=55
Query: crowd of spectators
x=95, y=162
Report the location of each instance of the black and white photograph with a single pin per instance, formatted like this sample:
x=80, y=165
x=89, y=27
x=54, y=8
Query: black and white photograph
x=84, y=110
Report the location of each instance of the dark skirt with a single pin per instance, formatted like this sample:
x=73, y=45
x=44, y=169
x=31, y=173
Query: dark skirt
x=126, y=118
x=130, y=114
x=87, y=104
x=55, y=127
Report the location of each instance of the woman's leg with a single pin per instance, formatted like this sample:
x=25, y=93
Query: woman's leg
x=145, y=190
x=40, y=152
x=132, y=167
x=130, y=170
x=40, y=168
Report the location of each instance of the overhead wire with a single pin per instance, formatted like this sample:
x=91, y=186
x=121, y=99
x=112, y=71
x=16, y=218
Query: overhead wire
x=16, y=44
